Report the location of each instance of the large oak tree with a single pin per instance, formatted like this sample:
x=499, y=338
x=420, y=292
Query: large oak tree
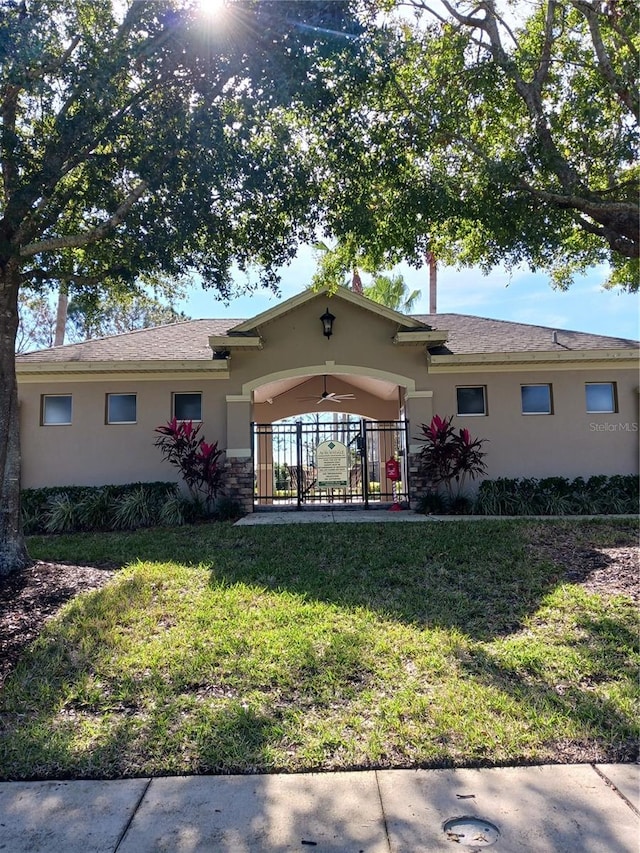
x=493, y=133
x=142, y=137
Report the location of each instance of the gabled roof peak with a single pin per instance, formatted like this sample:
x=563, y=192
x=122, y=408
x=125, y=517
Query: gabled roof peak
x=403, y=320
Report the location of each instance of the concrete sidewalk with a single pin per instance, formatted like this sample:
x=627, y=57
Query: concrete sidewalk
x=552, y=809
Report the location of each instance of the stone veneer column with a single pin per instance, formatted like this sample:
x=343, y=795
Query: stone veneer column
x=238, y=464
x=238, y=481
x=418, y=411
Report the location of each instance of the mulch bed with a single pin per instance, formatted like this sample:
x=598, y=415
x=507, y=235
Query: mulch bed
x=607, y=570
x=29, y=598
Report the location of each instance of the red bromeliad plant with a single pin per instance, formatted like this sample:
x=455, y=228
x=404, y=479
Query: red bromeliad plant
x=449, y=456
x=197, y=461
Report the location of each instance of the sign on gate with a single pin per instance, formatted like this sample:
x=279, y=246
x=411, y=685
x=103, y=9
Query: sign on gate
x=333, y=466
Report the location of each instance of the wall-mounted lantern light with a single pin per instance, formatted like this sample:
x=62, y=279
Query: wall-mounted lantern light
x=327, y=323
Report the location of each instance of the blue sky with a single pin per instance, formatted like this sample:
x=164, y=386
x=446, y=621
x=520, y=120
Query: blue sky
x=521, y=296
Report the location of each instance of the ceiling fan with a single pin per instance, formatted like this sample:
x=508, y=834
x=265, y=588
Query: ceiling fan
x=329, y=396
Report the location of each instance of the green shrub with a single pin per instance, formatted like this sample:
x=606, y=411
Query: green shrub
x=433, y=503
x=135, y=509
x=172, y=511
x=437, y=503
x=67, y=508
x=60, y=515
x=95, y=511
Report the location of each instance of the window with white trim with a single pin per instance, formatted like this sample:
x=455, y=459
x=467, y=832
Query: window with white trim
x=187, y=407
x=472, y=400
x=601, y=397
x=56, y=409
x=121, y=409
x=536, y=399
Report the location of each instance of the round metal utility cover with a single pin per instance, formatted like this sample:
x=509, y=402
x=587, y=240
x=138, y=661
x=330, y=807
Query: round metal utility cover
x=471, y=831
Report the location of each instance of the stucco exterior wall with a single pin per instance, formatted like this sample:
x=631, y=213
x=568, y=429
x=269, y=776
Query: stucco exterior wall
x=90, y=452
x=569, y=443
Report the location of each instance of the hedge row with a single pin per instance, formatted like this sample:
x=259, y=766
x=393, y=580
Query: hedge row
x=67, y=509
x=558, y=496
x=599, y=495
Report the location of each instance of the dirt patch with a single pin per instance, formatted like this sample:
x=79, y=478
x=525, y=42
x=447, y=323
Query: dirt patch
x=31, y=597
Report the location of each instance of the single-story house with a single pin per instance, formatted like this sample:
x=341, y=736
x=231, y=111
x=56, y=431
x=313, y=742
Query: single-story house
x=550, y=402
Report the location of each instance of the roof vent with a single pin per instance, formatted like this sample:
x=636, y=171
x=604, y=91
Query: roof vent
x=554, y=337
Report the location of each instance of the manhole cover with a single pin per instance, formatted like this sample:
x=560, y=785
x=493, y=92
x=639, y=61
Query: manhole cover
x=471, y=831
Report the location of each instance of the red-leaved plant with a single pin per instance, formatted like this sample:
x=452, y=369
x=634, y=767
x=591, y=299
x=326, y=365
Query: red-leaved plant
x=450, y=456
x=197, y=461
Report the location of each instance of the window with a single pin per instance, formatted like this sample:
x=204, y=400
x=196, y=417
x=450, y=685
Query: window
x=56, y=409
x=121, y=408
x=601, y=397
x=471, y=401
x=536, y=399
x=187, y=407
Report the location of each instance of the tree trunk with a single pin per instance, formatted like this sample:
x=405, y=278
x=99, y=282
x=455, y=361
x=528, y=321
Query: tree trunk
x=13, y=551
x=61, y=315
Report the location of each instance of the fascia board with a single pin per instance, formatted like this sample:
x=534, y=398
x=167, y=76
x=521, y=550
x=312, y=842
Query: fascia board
x=39, y=370
x=237, y=342
x=419, y=336
x=622, y=357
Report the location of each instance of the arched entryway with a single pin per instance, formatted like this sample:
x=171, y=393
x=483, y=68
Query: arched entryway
x=329, y=437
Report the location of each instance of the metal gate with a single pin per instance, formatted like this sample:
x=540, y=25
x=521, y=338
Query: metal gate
x=287, y=473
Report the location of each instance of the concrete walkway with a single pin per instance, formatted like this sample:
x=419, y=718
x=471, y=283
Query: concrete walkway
x=328, y=516
x=346, y=515
x=553, y=809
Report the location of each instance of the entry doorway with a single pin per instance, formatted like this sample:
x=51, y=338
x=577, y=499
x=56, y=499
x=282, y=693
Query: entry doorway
x=291, y=470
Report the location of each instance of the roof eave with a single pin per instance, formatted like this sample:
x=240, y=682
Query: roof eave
x=626, y=357
x=39, y=370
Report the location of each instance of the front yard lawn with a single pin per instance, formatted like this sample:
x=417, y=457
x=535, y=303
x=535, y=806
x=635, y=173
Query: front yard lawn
x=314, y=647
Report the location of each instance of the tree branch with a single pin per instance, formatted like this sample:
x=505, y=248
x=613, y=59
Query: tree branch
x=75, y=241
x=545, y=57
x=41, y=276
x=629, y=97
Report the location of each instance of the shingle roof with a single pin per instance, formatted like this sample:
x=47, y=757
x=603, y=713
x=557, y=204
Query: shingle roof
x=178, y=341
x=470, y=334
x=190, y=340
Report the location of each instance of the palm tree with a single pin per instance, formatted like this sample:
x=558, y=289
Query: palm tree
x=392, y=291
x=341, y=265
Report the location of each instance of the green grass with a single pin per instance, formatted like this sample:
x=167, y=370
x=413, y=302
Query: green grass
x=231, y=650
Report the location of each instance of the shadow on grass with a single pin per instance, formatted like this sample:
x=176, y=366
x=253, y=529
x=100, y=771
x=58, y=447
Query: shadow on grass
x=605, y=650
x=156, y=741
x=483, y=578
